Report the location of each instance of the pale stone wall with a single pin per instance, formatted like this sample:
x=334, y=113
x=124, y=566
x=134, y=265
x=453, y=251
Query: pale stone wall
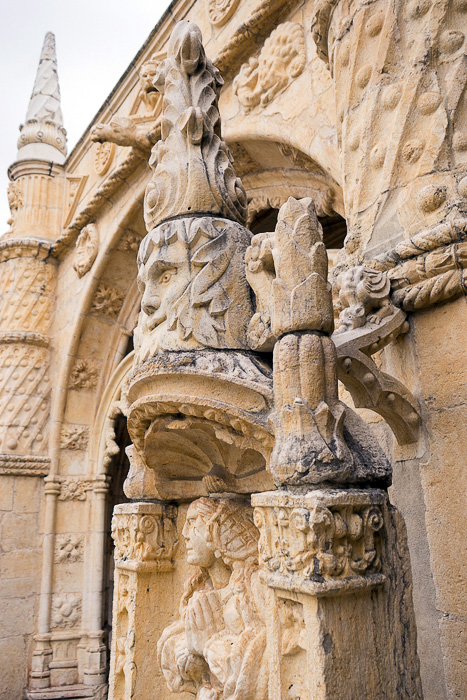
x=20, y=576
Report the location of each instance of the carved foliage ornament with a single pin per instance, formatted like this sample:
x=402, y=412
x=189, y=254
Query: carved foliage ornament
x=69, y=548
x=145, y=537
x=87, y=247
x=282, y=59
x=192, y=165
x=66, y=610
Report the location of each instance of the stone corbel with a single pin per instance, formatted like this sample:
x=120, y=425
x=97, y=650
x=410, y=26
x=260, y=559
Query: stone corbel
x=368, y=322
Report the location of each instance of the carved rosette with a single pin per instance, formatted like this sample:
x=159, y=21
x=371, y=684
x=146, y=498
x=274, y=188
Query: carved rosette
x=321, y=542
x=145, y=536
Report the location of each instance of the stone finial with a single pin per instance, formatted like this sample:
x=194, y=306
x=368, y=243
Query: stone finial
x=193, y=172
x=42, y=134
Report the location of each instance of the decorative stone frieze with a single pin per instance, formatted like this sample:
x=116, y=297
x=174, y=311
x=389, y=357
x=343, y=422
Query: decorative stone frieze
x=281, y=59
x=322, y=542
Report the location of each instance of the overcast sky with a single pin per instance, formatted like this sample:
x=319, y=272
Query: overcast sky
x=96, y=40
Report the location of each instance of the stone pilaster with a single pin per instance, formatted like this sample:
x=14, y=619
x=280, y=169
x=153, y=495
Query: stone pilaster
x=145, y=539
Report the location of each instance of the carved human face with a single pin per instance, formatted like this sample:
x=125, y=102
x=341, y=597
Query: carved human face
x=194, y=531
x=162, y=280
x=146, y=76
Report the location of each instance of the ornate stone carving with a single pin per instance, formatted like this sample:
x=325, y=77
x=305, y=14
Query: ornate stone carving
x=219, y=11
x=130, y=241
x=321, y=542
x=103, y=155
x=66, y=610
x=193, y=173
x=368, y=321
x=124, y=131
x=69, y=548
x=84, y=374
x=144, y=534
x=24, y=465
x=15, y=201
x=190, y=271
x=74, y=437
x=288, y=272
x=148, y=93
x=363, y=295
x=218, y=647
x=107, y=301
x=191, y=268
x=87, y=247
x=74, y=489
x=281, y=59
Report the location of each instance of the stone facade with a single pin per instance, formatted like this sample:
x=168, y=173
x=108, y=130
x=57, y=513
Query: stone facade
x=232, y=338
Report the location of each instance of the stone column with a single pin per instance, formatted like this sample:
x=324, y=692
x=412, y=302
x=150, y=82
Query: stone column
x=145, y=539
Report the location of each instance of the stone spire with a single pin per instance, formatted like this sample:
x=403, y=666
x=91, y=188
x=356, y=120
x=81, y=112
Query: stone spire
x=42, y=135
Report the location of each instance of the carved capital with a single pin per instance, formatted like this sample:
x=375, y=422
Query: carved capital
x=145, y=536
x=323, y=542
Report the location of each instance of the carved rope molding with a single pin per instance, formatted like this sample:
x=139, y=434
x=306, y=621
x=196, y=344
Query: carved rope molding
x=322, y=543
x=145, y=536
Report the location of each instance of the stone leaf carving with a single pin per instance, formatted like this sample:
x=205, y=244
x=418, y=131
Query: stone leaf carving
x=66, y=610
x=107, y=301
x=282, y=59
x=69, y=548
x=192, y=165
x=84, y=374
x=74, y=489
x=195, y=294
x=87, y=246
x=74, y=437
x=288, y=272
x=15, y=201
x=142, y=536
x=322, y=541
x=217, y=649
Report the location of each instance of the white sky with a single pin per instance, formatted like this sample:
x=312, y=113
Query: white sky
x=96, y=40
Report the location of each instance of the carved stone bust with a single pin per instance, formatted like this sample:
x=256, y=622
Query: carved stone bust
x=190, y=272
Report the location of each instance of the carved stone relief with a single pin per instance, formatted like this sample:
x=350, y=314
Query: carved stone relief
x=103, y=155
x=281, y=59
x=15, y=201
x=87, y=246
x=69, y=548
x=107, y=301
x=217, y=648
x=74, y=489
x=219, y=11
x=84, y=374
x=74, y=437
x=66, y=610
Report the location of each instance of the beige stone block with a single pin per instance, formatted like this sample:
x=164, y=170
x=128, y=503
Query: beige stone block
x=440, y=335
x=454, y=640
x=19, y=587
x=19, y=564
x=19, y=531
x=443, y=478
x=18, y=616
x=27, y=494
x=13, y=654
x=7, y=484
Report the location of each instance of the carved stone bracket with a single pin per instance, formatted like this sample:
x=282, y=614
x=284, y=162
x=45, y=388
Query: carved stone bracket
x=368, y=322
x=145, y=536
x=323, y=542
